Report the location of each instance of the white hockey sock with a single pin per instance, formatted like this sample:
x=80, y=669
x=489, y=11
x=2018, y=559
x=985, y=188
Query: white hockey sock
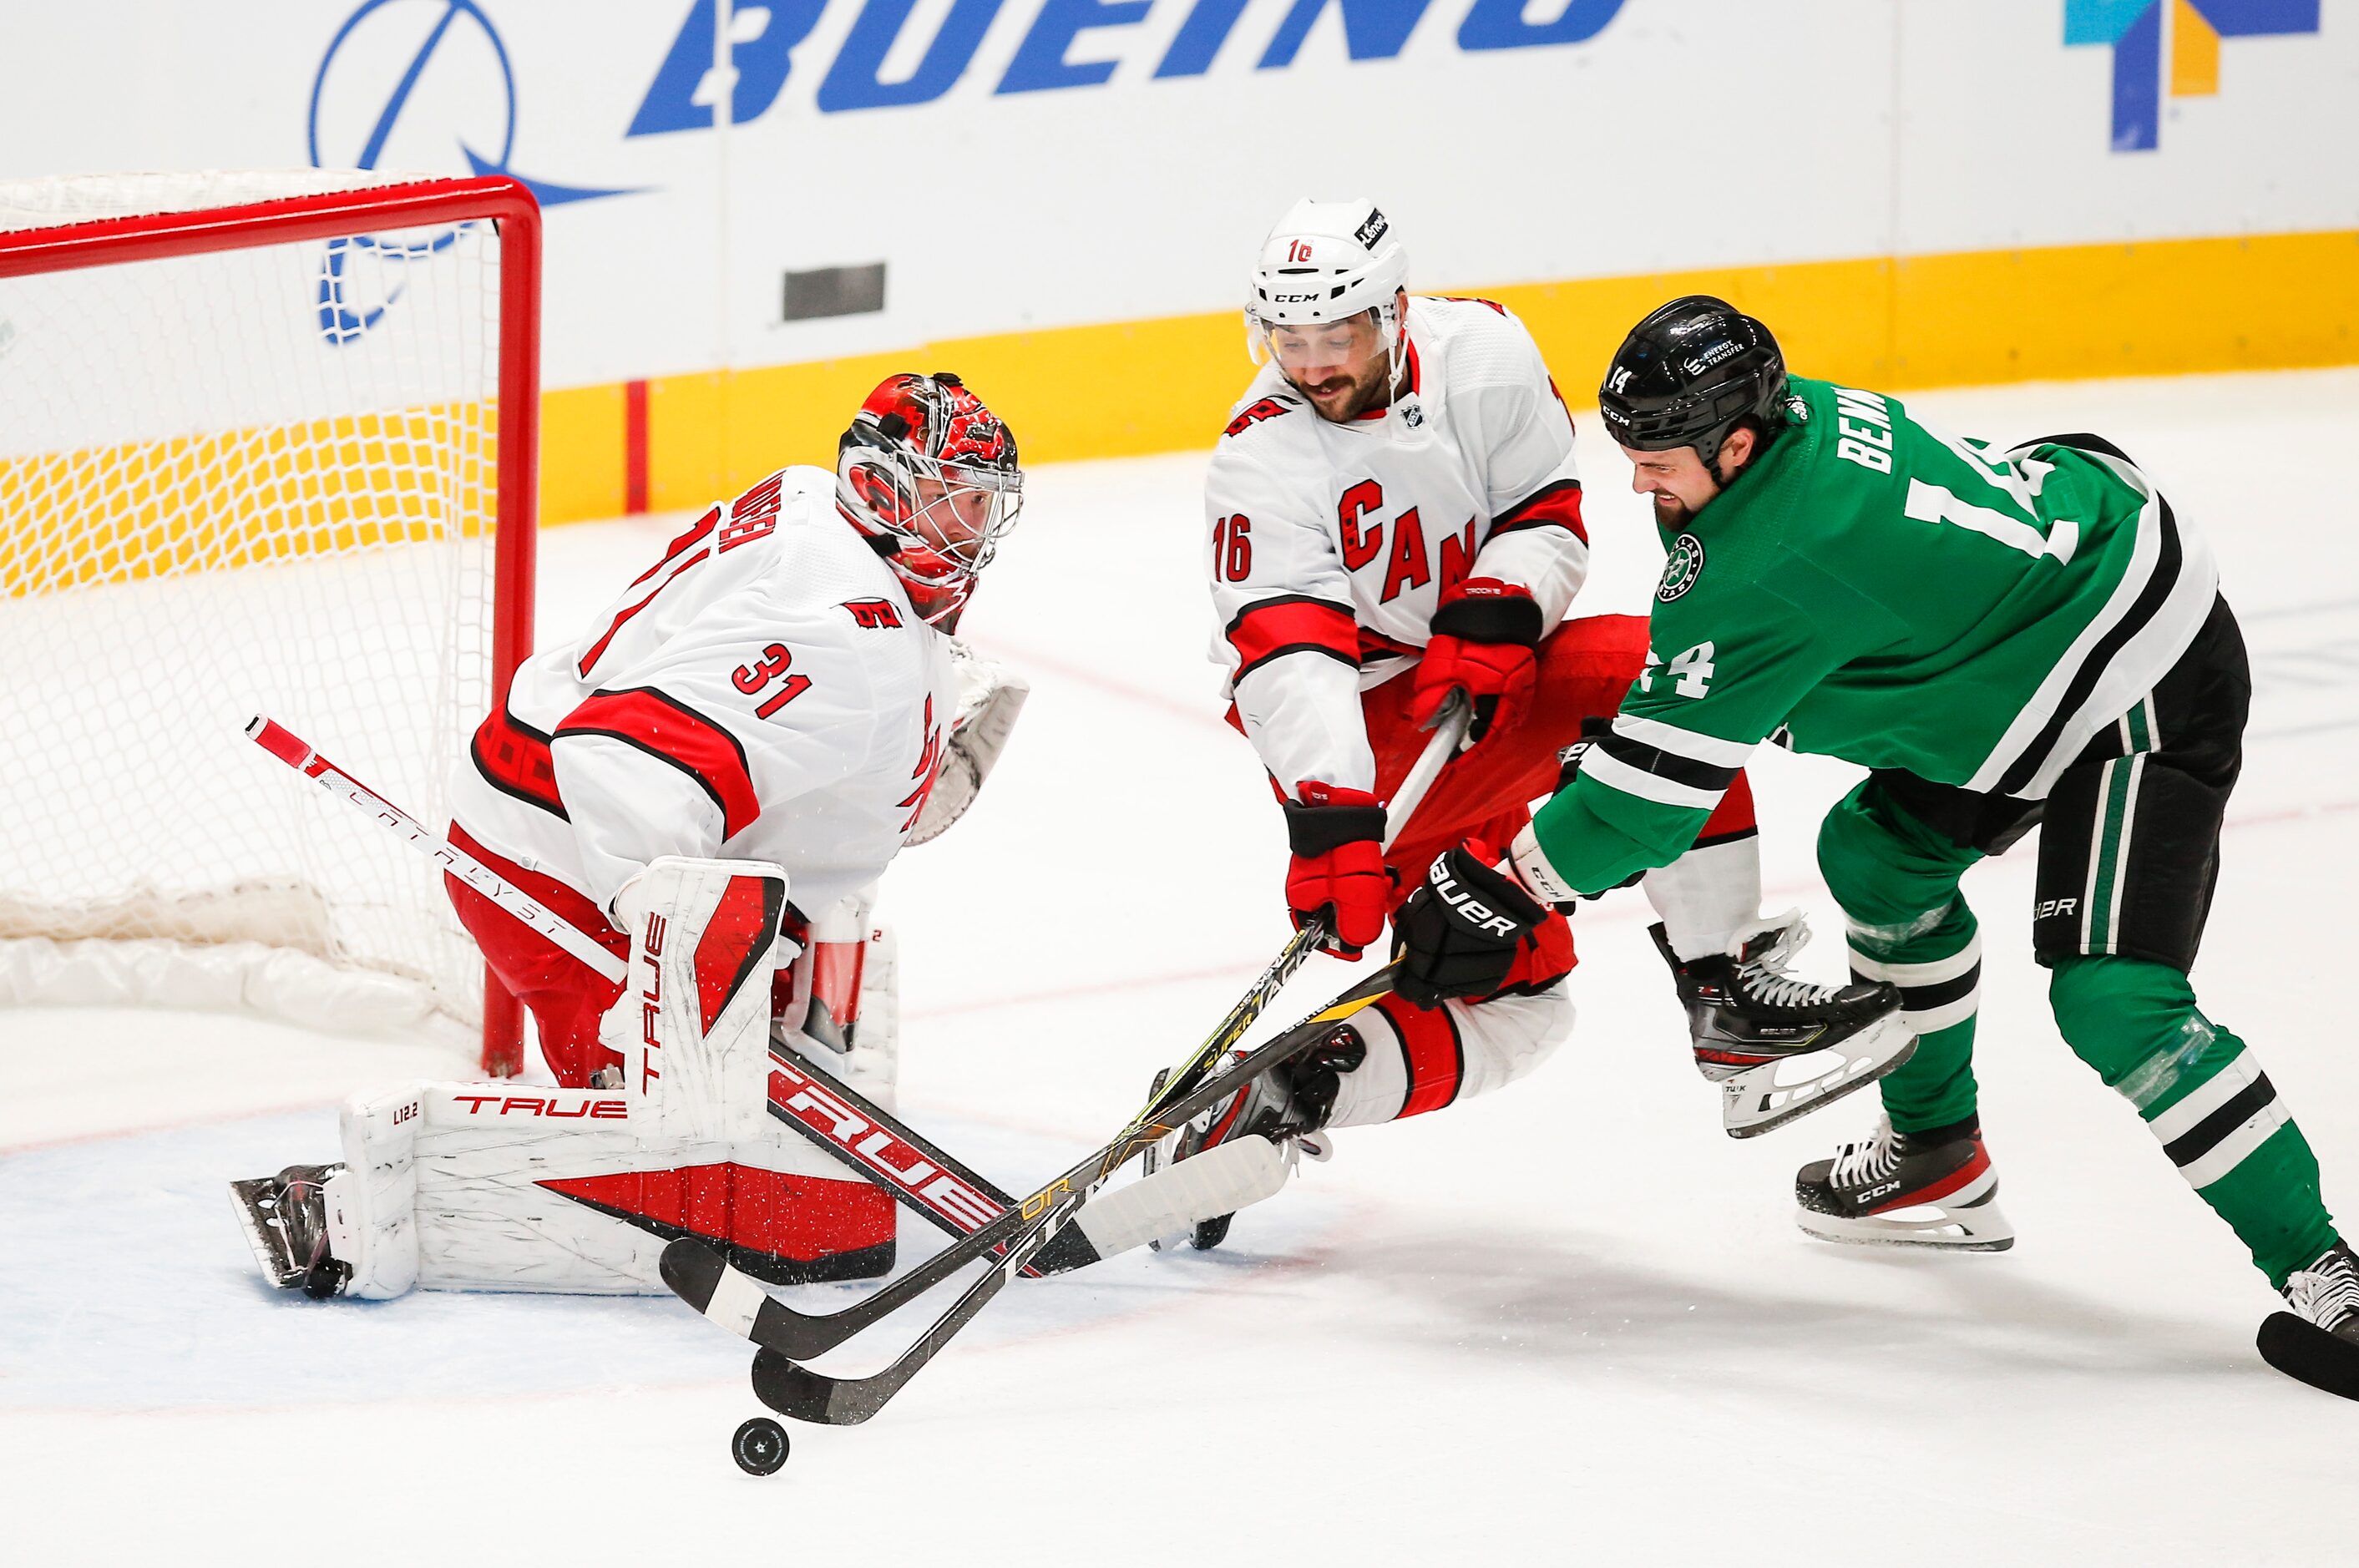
x=1708, y=896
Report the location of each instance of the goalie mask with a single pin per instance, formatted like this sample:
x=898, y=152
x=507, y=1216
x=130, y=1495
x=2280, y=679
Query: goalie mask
x=929, y=477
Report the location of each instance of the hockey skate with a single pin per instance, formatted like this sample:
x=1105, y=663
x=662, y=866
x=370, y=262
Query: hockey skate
x=286, y=1219
x=1780, y=1048
x=1891, y=1189
x=1288, y=1105
x=2318, y=1341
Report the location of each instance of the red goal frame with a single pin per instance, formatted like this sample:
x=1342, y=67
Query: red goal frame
x=515, y=214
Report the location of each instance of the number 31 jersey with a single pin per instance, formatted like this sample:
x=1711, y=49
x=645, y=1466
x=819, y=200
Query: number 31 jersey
x=1330, y=545
x=764, y=692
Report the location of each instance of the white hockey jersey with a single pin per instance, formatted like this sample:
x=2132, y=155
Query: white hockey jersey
x=763, y=692
x=1331, y=544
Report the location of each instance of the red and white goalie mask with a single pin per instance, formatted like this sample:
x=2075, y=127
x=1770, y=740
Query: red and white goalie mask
x=929, y=475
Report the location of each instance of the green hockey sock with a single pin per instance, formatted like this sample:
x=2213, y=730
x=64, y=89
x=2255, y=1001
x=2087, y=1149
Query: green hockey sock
x=2203, y=1096
x=1897, y=880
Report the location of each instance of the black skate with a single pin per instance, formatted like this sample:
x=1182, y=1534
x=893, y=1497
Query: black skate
x=286, y=1219
x=1288, y=1105
x=2318, y=1341
x=1898, y=1189
x=1780, y=1048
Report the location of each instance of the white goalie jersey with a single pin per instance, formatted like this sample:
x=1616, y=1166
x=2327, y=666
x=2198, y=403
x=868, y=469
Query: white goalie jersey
x=1330, y=545
x=763, y=692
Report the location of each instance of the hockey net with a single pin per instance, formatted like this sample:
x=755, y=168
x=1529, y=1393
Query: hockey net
x=267, y=446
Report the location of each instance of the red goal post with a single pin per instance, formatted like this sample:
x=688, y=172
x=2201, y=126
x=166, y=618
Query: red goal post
x=244, y=434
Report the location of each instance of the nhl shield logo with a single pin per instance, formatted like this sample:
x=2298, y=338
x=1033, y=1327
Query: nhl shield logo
x=1681, y=571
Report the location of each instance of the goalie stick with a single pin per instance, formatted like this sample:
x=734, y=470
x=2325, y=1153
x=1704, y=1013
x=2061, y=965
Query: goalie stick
x=296, y=753
x=703, y=1279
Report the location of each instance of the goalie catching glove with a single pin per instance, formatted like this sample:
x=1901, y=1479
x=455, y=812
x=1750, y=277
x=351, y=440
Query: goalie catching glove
x=1459, y=934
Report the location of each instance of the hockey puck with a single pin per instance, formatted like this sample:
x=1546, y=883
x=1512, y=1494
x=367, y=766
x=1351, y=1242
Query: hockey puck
x=759, y=1447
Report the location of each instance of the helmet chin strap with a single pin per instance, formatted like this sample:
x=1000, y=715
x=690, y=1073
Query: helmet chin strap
x=1407, y=414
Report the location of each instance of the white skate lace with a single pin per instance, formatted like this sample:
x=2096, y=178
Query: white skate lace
x=1871, y=1159
x=2327, y=1292
x=1764, y=974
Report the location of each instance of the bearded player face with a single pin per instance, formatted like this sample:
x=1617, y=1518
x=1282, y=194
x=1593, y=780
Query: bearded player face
x=1678, y=482
x=1338, y=365
x=1675, y=480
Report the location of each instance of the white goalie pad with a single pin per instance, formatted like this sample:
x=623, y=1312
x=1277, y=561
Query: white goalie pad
x=990, y=697
x=692, y=1024
x=493, y=1187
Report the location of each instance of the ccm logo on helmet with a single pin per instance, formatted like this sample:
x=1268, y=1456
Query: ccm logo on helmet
x=1466, y=906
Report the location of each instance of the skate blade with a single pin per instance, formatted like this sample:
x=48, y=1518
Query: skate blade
x=1983, y=1228
x=266, y=1234
x=1752, y=1102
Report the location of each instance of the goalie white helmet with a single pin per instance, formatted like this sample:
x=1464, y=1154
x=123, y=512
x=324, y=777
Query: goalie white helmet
x=1329, y=262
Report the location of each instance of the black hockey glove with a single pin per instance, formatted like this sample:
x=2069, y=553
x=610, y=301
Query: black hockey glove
x=1457, y=935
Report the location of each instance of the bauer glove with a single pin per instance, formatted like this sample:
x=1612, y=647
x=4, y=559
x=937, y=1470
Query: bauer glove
x=1457, y=934
x=1336, y=835
x=1486, y=637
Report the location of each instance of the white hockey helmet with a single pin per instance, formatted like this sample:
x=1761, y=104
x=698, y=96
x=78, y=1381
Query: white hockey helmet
x=1326, y=261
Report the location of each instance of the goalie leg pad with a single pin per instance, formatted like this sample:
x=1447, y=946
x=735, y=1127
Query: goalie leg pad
x=493, y=1187
x=692, y=1024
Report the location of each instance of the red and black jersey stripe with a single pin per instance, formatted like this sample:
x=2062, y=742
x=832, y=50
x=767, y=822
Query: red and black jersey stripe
x=1556, y=504
x=678, y=736
x=513, y=757
x=1292, y=623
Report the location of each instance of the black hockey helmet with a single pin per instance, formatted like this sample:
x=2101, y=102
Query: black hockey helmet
x=1690, y=373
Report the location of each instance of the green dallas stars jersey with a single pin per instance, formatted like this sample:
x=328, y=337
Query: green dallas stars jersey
x=1889, y=593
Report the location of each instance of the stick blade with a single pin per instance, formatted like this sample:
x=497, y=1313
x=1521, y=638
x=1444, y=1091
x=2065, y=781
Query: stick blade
x=800, y=1394
x=2307, y=1353
x=692, y=1270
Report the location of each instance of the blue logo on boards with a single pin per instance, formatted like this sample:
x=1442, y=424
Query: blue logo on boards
x=410, y=37
x=763, y=38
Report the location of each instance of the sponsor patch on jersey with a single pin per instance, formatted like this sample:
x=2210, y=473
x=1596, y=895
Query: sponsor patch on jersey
x=1681, y=571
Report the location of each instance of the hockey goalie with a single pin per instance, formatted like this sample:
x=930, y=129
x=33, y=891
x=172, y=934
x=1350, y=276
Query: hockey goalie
x=709, y=781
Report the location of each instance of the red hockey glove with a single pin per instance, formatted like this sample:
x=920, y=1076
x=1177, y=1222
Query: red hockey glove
x=1339, y=864
x=1457, y=934
x=1485, y=637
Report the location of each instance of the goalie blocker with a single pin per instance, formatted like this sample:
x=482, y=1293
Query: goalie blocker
x=501, y=1187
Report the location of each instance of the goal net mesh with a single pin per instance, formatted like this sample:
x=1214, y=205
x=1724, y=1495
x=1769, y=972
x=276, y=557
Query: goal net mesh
x=252, y=481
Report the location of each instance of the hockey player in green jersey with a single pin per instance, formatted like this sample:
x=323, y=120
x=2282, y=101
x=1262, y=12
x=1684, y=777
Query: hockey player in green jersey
x=1999, y=636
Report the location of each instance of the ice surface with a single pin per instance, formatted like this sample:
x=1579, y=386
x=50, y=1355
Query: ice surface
x=1568, y=1322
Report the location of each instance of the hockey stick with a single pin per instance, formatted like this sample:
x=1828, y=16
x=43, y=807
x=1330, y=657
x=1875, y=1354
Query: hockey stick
x=296, y=753
x=802, y=1095
x=739, y=1303
x=704, y=1282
